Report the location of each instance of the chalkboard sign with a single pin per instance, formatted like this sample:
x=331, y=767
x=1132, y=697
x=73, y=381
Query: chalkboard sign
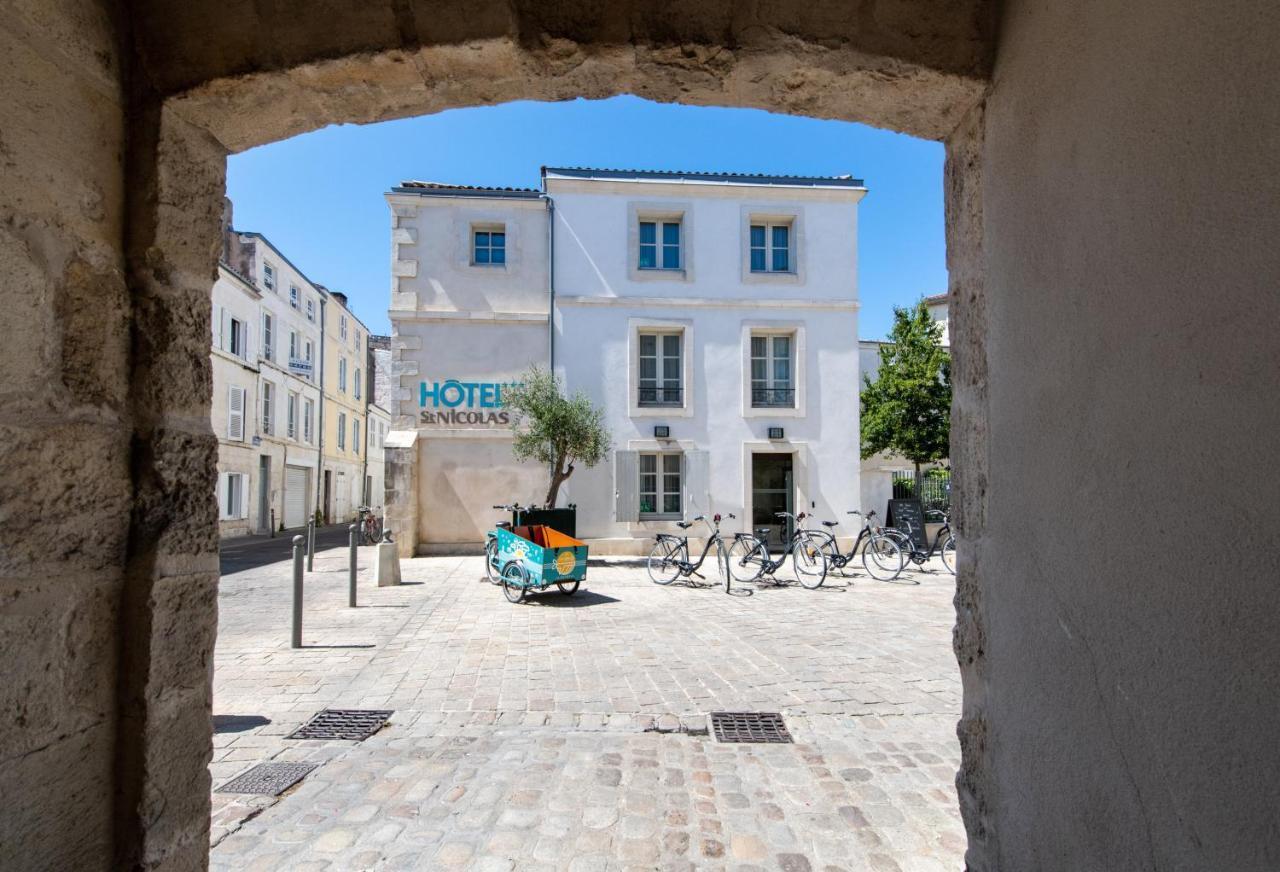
x=904, y=512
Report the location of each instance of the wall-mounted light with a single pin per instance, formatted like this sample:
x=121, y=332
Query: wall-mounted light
x=775, y=433
x=661, y=431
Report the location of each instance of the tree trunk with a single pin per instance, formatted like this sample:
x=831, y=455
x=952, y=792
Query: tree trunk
x=919, y=494
x=558, y=477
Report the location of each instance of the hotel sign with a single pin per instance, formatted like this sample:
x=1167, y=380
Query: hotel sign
x=454, y=403
x=300, y=367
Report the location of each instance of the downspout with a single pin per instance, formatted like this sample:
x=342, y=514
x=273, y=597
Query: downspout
x=367, y=498
x=320, y=413
x=551, y=282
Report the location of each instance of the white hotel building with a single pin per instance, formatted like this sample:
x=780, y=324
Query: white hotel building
x=713, y=316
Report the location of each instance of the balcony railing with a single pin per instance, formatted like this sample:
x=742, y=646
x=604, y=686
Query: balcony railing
x=661, y=396
x=773, y=398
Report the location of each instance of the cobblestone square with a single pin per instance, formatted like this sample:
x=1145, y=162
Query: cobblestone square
x=570, y=732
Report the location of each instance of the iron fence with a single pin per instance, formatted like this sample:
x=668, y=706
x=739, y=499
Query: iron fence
x=935, y=489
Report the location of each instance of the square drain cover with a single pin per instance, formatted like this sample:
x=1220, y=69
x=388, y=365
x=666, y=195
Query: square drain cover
x=353, y=724
x=268, y=779
x=749, y=727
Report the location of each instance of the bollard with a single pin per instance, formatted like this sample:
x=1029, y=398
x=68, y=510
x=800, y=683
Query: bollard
x=351, y=572
x=297, y=591
x=311, y=544
x=387, y=571
x=273, y=523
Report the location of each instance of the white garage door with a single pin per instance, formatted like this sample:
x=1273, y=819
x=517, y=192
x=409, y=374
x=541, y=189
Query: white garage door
x=295, y=496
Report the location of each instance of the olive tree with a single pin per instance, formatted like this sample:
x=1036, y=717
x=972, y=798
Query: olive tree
x=551, y=428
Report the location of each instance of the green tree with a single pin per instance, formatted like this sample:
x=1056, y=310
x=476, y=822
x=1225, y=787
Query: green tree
x=907, y=410
x=554, y=429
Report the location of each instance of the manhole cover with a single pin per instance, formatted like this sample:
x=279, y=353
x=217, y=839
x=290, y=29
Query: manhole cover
x=268, y=779
x=749, y=727
x=353, y=724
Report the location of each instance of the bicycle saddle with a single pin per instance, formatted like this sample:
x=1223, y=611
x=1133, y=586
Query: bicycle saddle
x=762, y=532
x=830, y=524
x=684, y=525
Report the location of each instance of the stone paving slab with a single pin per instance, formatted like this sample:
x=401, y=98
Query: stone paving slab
x=518, y=726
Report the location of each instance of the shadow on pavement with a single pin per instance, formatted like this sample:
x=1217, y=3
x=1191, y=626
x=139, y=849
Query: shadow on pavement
x=238, y=723
x=556, y=600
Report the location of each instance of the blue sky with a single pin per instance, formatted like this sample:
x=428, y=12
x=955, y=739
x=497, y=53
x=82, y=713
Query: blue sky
x=319, y=197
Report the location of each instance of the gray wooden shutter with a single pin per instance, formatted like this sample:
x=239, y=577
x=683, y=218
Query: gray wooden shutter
x=697, y=500
x=235, y=414
x=626, y=485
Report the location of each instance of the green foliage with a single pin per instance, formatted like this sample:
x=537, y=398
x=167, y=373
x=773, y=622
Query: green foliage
x=906, y=411
x=553, y=429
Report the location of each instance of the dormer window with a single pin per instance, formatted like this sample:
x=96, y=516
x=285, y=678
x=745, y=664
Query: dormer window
x=268, y=276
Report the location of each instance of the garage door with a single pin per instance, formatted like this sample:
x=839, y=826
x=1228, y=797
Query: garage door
x=295, y=496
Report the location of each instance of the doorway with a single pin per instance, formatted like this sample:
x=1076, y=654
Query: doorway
x=328, y=491
x=772, y=491
x=264, y=493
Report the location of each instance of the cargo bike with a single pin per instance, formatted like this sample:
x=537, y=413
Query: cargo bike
x=531, y=558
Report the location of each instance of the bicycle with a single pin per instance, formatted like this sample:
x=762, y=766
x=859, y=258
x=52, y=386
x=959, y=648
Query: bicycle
x=749, y=555
x=370, y=530
x=944, y=544
x=669, y=558
x=882, y=555
x=492, y=571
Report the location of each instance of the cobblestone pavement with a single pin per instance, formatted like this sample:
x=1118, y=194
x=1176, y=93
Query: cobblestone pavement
x=566, y=733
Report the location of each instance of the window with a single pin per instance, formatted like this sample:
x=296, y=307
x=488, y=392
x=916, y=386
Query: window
x=268, y=416
x=355, y=384
x=308, y=415
x=311, y=309
x=659, y=245
x=231, y=503
x=293, y=345
x=267, y=336
x=357, y=340
x=342, y=326
x=308, y=351
x=355, y=435
x=772, y=380
x=235, y=413
x=660, y=485
x=771, y=248
x=342, y=431
x=292, y=424
x=294, y=295
x=661, y=369
x=239, y=338
x=489, y=247
x=268, y=276
x=342, y=374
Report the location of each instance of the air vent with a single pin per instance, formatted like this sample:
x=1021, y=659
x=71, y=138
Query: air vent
x=763, y=727
x=268, y=779
x=354, y=725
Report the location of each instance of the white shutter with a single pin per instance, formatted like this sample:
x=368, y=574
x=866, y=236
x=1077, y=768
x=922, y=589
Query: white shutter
x=697, y=500
x=221, y=496
x=235, y=414
x=246, y=349
x=224, y=336
x=216, y=314
x=295, y=496
x=626, y=485
x=244, y=497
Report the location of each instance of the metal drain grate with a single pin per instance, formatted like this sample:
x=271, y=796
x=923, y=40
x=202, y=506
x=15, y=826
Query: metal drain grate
x=268, y=779
x=353, y=724
x=749, y=727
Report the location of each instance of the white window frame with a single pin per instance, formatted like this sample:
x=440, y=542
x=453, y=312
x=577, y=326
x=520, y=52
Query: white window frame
x=342, y=326
x=661, y=245
x=661, y=382
x=355, y=435
x=291, y=423
x=342, y=374
x=758, y=328
x=268, y=336
x=765, y=388
x=660, y=213
x=232, y=489
x=342, y=431
x=636, y=326
x=308, y=419
x=269, y=276
x=293, y=345
x=355, y=383
x=769, y=248
x=311, y=310
x=771, y=215
x=475, y=248
x=661, y=473
x=295, y=295
x=239, y=344
x=268, y=409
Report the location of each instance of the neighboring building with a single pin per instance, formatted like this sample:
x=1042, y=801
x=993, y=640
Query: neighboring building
x=713, y=316
x=346, y=399
x=937, y=305
x=379, y=367
x=265, y=397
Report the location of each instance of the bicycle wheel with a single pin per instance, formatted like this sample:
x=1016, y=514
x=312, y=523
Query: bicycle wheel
x=373, y=530
x=747, y=557
x=949, y=554
x=513, y=581
x=809, y=561
x=883, y=558
x=491, y=562
x=663, y=562
x=722, y=565
x=570, y=587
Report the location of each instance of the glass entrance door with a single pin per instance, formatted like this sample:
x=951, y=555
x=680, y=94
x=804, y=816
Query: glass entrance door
x=771, y=492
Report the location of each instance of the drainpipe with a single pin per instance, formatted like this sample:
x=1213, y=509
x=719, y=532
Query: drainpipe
x=551, y=282
x=320, y=413
x=368, y=388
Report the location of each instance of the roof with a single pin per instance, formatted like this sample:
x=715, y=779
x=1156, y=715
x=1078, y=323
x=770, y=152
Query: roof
x=936, y=299
x=443, y=189
x=845, y=181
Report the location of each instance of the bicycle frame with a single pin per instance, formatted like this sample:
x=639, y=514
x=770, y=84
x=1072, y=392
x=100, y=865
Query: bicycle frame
x=686, y=567
x=771, y=566
x=919, y=557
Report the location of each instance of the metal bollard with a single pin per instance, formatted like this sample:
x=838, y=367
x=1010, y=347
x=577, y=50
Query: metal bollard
x=311, y=544
x=297, y=591
x=351, y=572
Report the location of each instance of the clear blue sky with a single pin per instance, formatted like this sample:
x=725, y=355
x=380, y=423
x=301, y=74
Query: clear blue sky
x=318, y=197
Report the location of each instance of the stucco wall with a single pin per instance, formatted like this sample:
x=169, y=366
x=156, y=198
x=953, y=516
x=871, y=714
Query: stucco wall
x=1132, y=629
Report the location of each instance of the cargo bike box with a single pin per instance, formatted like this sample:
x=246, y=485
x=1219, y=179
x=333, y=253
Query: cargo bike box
x=532, y=558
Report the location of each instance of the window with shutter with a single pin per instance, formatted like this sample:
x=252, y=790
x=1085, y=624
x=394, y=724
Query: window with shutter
x=625, y=478
x=235, y=414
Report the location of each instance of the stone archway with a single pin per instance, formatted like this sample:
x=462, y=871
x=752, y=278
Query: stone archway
x=116, y=128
